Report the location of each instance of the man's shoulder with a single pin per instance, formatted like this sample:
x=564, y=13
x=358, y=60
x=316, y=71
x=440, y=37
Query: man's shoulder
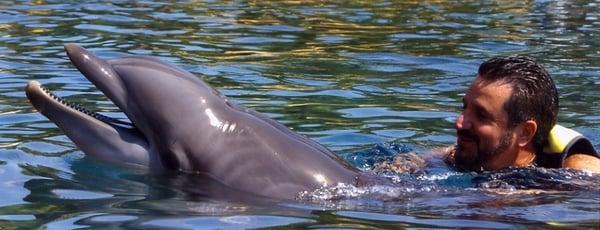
x=568, y=148
x=582, y=161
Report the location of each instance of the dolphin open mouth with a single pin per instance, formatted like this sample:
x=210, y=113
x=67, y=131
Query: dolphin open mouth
x=104, y=137
x=37, y=93
x=100, y=73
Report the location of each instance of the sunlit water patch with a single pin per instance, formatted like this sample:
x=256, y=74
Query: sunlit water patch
x=17, y=217
x=73, y=194
x=228, y=222
x=454, y=223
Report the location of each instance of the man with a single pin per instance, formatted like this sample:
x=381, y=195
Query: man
x=508, y=113
x=509, y=120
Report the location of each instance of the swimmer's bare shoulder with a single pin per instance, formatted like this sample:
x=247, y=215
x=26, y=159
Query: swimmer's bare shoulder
x=583, y=162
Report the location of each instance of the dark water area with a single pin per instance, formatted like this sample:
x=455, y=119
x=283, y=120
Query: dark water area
x=369, y=80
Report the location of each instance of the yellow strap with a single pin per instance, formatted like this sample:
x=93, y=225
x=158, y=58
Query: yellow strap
x=559, y=138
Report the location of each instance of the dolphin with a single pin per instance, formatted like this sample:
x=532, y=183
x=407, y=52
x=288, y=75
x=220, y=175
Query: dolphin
x=177, y=122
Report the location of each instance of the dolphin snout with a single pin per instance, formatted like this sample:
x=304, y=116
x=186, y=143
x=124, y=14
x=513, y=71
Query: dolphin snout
x=36, y=95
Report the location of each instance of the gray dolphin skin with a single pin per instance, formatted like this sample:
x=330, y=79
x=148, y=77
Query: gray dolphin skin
x=179, y=123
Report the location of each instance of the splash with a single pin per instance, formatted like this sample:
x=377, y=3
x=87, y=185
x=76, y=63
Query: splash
x=388, y=184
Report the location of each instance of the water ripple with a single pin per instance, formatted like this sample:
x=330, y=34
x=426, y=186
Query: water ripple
x=358, y=77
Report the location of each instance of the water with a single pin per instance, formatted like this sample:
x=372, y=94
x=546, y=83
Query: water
x=366, y=79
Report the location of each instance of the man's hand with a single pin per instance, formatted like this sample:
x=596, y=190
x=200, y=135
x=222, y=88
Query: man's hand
x=403, y=163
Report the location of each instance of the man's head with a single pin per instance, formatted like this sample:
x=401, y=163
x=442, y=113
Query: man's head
x=509, y=110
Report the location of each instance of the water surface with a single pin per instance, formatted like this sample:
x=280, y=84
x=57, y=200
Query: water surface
x=367, y=79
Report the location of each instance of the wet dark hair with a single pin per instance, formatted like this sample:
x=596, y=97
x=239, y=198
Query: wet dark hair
x=534, y=96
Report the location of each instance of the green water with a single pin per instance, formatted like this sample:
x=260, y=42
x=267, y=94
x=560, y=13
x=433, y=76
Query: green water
x=360, y=77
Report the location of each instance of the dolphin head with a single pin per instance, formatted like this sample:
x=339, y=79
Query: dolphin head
x=137, y=86
x=135, y=82
x=167, y=105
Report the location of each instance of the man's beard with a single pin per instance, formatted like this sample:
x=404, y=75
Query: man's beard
x=483, y=155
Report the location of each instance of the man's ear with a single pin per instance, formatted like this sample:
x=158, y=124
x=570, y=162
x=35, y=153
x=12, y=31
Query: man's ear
x=526, y=133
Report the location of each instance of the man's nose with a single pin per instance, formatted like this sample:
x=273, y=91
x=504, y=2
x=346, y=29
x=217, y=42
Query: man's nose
x=462, y=122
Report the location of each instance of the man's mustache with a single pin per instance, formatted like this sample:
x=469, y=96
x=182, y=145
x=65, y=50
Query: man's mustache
x=464, y=134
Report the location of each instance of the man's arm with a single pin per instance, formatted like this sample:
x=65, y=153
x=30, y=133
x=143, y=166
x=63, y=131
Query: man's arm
x=583, y=162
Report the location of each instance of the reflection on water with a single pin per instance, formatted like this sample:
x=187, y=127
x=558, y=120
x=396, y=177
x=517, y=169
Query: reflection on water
x=366, y=79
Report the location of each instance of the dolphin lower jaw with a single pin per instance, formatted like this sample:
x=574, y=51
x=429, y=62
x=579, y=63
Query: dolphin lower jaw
x=103, y=137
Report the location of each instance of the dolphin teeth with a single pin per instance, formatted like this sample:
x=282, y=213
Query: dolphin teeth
x=81, y=109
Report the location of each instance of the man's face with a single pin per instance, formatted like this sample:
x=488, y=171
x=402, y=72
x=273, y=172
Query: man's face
x=484, y=141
